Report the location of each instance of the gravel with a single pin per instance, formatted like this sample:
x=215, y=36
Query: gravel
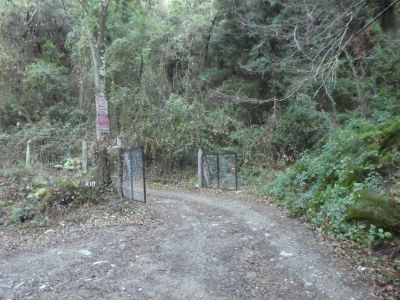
x=182, y=245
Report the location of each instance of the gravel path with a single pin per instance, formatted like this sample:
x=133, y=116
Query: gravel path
x=199, y=247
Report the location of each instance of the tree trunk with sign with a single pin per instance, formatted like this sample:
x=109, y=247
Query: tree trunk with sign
x=97, y=45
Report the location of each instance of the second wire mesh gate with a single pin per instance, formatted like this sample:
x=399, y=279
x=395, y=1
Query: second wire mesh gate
x=220, y=171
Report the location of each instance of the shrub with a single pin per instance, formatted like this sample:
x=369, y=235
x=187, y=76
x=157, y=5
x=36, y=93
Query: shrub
x=251, y=142
x=298, y=129
x=23, y=212
x=65, y=193
x=348, y=180
x=47, y=82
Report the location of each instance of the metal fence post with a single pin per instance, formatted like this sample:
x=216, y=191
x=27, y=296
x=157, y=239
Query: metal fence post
x=84, y=157
x=120, y=169
x=218, y=170
x=236, y=172
x=28, y=159
x=144, y=175
x=131, y=173
x=200, y=168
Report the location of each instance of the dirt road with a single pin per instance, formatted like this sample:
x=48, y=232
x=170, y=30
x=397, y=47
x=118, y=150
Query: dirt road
x=198, y=247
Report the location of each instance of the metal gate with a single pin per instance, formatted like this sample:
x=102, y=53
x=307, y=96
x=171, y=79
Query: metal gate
x=220, y=171
x=133, y=175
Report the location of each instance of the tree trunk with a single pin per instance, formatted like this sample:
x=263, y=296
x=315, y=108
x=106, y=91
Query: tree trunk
x=98, y=58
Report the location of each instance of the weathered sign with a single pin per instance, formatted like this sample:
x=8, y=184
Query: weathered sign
x=102, y=120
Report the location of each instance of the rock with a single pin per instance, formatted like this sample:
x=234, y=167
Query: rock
x=251, y=275
x=85, y=252
x=100, y=262
x=122, y=246
x=1, y=222
x=19, y=285
x=286, y=254
x=308, y=283
x=361, y=268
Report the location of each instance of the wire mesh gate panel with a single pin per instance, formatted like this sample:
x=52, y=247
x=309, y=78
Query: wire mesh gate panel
x=220, y=171
x=133, y=176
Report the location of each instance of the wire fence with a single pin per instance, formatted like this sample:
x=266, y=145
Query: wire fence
x=220, y=171
x=66, y=157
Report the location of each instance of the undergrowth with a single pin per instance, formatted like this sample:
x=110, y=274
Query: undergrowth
x=350, y=187
x=35, y=197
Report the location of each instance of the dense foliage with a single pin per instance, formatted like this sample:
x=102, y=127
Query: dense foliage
x=353, y=177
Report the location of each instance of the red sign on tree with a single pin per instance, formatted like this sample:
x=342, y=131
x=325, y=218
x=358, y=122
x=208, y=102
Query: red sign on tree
x=103, y=122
